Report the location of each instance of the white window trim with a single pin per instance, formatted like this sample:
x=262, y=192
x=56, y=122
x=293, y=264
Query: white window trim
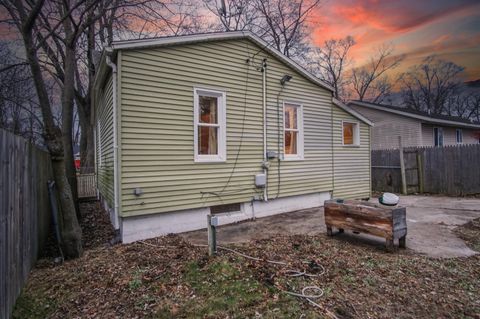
x=356, y=134
x=459, y=130
x=300, y=150
x=222, y=125
x=435, y=140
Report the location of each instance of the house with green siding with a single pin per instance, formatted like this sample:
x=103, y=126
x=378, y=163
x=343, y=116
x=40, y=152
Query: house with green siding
x=218, y=123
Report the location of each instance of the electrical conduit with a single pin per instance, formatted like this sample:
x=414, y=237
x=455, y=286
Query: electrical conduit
x=265, y=163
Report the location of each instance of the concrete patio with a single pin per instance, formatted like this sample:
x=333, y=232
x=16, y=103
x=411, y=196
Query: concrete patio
x=430, y=220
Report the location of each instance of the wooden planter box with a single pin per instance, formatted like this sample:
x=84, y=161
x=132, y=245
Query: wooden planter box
x=368, y=218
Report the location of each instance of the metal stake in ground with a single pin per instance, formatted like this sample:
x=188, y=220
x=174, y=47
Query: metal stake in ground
x=212, y=223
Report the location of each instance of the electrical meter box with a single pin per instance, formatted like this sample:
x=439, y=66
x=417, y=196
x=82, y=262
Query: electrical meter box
x=260, y=180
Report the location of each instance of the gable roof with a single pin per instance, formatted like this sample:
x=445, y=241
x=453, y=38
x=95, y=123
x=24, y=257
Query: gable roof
x=216, y=36
x=352, y=112
x=423, y=117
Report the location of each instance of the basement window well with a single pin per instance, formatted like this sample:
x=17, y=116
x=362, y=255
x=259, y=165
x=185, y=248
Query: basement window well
x=350, y=134
x=209, y=125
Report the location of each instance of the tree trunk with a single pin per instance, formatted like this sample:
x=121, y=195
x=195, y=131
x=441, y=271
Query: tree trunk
x=87, y=143
x=67, y=122
x=87, y=146
x=71, y=232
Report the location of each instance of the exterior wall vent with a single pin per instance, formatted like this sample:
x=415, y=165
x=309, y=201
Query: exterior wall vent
x=226, y=208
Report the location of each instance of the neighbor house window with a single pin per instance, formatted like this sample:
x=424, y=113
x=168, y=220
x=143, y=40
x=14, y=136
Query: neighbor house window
x=459, y=136
x=438, y=136
x=350, y=134
x=293, y=131
x=210, y=125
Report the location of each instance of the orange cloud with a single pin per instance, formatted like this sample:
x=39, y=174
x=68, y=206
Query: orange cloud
x=416, y=28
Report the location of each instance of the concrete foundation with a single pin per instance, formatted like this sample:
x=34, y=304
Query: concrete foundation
x=110, y=210
x=149, y=226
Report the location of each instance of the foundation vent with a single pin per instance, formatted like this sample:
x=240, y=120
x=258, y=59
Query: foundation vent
x=226, y=208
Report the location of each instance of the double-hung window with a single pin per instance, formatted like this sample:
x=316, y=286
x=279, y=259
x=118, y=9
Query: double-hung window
x=209, y=125
x=438, y=136
x=293, y=131
x=459, y=136
x=350, y=134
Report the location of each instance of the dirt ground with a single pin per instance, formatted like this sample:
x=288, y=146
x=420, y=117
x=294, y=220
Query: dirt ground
x=168, y=277
x=430, y=220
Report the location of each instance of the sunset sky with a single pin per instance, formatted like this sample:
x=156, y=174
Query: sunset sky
x=418, y=28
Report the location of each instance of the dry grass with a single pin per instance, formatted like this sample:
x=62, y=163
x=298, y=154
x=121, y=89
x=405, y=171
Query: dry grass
x=169, y=278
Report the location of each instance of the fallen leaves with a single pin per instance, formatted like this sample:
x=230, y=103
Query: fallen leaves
x=167, y=277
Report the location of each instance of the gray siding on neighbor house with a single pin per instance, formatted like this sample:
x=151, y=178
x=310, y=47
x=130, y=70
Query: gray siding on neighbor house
x=104, y=141
x=449, y=135
x=387, y=127
x=157, y=144
x=351, y=163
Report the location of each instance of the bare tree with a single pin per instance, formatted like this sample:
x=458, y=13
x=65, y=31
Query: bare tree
x=119, y=19
x=18, y=104
x=473, y=105
x=380, y=90
x=370, y=81
x=464, y=104
x=26, y=17
x=330, y=61
x=234, y=15
x=283, y=24
x=430, y=85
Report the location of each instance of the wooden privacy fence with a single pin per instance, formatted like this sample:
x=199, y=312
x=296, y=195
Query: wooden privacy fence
x=24, y=213
x=450, y=170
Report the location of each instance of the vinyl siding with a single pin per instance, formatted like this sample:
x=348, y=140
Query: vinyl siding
x=388, y=127
x=449, y=135
x=351, y=163
x=104, y=141
x=157, y=128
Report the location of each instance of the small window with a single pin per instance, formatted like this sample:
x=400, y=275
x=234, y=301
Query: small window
x=293, y=131
x=438, y=136
x=210, y=126
x=459, y=135
x=350, y=134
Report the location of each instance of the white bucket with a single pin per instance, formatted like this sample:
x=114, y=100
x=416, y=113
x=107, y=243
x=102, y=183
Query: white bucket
x=390, y=199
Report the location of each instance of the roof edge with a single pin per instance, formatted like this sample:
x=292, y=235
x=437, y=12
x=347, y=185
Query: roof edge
x=352, y=112
x=424, y=118
x=192, y=38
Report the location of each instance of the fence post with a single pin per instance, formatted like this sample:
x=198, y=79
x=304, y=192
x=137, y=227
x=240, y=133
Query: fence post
x=402, y=166
x=420, y=171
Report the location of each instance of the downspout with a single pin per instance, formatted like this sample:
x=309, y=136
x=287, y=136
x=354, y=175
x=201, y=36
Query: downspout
x=265, y=160
x=333, y=149
x=95, y=151
x=113, y=66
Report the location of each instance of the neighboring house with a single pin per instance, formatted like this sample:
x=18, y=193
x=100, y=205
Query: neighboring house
x=218, y=123
x=416, y=128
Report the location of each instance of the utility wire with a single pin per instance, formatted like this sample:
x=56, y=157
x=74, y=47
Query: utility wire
x=223, y=191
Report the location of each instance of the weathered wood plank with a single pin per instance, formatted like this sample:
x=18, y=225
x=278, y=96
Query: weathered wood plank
x=450, y=170
x=365, y=217
x=23, y=213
